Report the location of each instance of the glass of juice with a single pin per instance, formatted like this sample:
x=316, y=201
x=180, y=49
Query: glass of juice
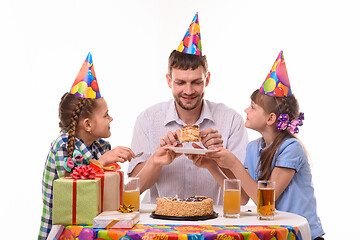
x=132, y=192
x=232, y=198
x=266, y=200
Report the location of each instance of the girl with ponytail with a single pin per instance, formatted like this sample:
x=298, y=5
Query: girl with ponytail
x=277, y=156
x=84, y=121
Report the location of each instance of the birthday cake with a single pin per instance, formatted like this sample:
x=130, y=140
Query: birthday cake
x=192, y=206
x=190, y=134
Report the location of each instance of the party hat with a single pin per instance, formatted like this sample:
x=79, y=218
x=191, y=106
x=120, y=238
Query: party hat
x=85, y=84
x=277, y=81
x=191, y=42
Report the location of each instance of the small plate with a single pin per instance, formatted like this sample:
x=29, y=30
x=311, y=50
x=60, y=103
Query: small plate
x=191, y=150
x=180, y=218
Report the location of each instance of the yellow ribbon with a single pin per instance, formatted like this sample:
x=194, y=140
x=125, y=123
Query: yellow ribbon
x=131, y=217
x=113, y=222
x=126, y=208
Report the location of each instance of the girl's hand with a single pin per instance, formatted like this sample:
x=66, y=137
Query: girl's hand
x=118, y=154
x=199, y=160
x=223, y=157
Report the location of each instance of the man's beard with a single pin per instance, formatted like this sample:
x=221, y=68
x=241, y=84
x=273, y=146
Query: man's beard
x=198, y=102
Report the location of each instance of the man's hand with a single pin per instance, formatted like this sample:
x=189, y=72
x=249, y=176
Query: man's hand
x=170, y=139
x=211, y=138
x=164, y=156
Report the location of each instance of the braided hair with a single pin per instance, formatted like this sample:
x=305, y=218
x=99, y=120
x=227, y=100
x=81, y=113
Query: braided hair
x=71, y=110
x=278, y=105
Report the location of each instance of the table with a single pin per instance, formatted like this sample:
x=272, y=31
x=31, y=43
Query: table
x=200, y=230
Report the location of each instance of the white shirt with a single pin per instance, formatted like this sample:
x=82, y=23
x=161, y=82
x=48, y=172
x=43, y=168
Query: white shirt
x=182, y=177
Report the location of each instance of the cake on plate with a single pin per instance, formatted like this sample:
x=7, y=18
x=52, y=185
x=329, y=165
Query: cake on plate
x=190, y=133
x=192, y=206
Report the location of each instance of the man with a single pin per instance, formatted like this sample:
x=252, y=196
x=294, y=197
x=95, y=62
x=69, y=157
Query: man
x=163, y=171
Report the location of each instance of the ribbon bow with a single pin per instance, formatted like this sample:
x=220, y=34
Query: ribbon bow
x=99, y=168
x=293, y=125
x=83, y=172
x=77, y=160
x=125, y=208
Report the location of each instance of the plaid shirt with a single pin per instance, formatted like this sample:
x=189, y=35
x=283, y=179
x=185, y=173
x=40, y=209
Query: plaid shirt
x=54, y=169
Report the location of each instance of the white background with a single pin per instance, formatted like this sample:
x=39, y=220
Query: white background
x=43, y=45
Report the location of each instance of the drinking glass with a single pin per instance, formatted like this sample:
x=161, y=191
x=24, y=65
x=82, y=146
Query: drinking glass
x=132, y=192
x=266, y=200
x=232, y=197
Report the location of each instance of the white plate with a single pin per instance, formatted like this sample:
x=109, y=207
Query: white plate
x=190, y=150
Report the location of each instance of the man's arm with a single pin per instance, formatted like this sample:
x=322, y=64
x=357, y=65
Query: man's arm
x=148, y=167
x=148, y=174
x=149, y=171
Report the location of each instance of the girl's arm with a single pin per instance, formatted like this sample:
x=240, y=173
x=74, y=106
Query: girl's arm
x=226, y=159
x=211, y=166
x=148, y=172
x=216, y=172
x=118, y=154
x=282, y=177
x=53, y=169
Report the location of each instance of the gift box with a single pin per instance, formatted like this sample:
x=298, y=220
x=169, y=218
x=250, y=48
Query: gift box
x=76, y=201
x=112, y=183
x=115, y=219
x=55, y=232
x=111, y=190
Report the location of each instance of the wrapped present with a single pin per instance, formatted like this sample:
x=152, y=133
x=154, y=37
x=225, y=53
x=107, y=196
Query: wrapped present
x=55, y=232
x=76, y=201
x=115, y=219
x=112, y=183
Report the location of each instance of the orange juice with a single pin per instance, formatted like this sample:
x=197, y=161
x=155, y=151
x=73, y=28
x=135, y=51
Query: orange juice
x=232, y=199
x=132, y=198
x=266, y=203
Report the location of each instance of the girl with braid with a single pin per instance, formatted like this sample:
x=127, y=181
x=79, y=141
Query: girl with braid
x=278, y=155
x=84, y=121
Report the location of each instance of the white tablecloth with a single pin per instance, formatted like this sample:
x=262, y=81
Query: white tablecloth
x=246, y=218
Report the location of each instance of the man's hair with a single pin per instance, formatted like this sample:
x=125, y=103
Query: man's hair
x=184, y=61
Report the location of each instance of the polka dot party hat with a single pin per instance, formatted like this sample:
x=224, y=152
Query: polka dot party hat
x=191, y=42
x=277, y=81
x=85, y=84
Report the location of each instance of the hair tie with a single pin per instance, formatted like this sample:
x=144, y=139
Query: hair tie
x=293, y=125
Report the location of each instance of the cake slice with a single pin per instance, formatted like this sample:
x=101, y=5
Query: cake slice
x=190, y=133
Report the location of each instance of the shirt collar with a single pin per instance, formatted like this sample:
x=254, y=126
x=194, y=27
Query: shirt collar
x=85, y=149
x=172, y=115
